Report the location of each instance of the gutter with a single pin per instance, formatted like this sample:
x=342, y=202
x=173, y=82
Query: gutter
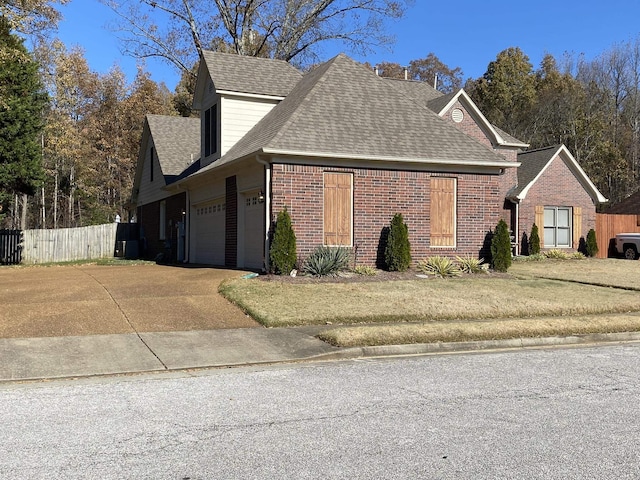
x=267, y=208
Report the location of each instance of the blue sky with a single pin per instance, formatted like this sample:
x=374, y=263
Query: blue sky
x=467, y=34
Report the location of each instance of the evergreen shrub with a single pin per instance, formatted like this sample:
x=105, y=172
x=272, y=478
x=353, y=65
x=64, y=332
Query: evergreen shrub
x=282, y=253
x=501, y=248
x=397, y=254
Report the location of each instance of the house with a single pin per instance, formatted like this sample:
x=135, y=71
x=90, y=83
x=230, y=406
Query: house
x=628, y=206
x=343, y=150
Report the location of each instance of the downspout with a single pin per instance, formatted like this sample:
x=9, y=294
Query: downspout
x=267, y=209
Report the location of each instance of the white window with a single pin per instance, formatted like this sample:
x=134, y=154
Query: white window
x=557, y=227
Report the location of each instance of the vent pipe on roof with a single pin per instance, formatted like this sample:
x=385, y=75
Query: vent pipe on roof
x=405, y=71
x=376, y=71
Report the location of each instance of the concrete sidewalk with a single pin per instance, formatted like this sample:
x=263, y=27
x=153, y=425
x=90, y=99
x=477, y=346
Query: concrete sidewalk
x=93, y=355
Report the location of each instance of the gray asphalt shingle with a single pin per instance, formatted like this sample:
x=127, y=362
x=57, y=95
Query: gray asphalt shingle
x=177, y=142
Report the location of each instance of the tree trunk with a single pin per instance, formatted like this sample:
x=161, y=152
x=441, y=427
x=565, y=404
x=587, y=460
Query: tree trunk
x=23, y=215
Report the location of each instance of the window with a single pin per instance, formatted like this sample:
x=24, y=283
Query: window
x=557, y=227
x=211, y=131
x=152, y=155
x=338, y=209
x=443, y=212
x=163, y=220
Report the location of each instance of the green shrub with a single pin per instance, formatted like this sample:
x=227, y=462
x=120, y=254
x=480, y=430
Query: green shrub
x=282, y=253
x=469, y=264
x=534, y=241
x=438, y=266
x=365, y=270
x=592, y=243
x=577, y=256
x=397, y=253
x=501, y=248
x=326, y=261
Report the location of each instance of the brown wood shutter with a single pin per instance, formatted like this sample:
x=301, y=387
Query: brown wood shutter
x=337, y=209
x=577, y=226
x=539, y=220
x=443, y=212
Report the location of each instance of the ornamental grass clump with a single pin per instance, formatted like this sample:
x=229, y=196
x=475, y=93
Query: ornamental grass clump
x=365, y=270
x=469, y=264
x=438, y=266
x=556, y=254
x=325, y=261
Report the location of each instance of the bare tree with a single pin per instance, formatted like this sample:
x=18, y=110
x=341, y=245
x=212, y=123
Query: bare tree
x=291, y=30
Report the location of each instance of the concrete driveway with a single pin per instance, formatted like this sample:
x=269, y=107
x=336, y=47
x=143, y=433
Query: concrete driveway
x=94, y=299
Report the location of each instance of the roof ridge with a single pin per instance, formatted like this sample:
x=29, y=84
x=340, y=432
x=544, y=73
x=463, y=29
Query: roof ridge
x=540, y=149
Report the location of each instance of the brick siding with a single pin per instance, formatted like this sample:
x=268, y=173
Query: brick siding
x=377, y=196
x=557, y=187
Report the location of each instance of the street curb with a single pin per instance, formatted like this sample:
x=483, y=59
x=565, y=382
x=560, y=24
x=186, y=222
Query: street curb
x=480, y=345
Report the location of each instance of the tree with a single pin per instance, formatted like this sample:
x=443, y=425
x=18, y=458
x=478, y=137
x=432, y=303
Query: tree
x=426, y=70
x=22, y=102
x=31, y=16
x=290, y=30
x=282, y=253
x=506, y=92
x=397, y=253
x=501, y=248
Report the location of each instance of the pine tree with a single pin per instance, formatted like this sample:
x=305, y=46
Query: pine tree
x=397, y=253
x=22, y=102
x=534, y=241
x=501, y=248
x=282, y=253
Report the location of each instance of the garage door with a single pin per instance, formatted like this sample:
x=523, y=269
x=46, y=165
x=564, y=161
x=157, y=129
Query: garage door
x=253, y=231
x=208, y=228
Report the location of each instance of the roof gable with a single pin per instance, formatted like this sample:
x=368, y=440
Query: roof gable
x=176, y=140
x=245, y=75
x=342, y=110
x=535, y=162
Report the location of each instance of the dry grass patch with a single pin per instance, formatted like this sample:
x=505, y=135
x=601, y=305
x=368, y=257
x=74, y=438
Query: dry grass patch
x=609, y=271
x=362, y=336
x=277, y=303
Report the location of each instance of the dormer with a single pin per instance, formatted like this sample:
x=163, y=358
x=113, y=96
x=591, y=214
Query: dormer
x=233, y=93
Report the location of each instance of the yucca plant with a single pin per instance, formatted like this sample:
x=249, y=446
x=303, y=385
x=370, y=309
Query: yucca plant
x=365, y=270
x=438, y=266
x=469, y=264
x=556, y=254
x=578, y=256
x=326, y=261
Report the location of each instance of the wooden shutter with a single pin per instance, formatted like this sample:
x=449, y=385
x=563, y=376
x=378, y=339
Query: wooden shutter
x=443, y=212
x=337, y=208
x=577, y=226
x=539, y=220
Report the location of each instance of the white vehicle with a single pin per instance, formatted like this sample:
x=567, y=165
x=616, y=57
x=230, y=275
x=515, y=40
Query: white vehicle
x=628, y=244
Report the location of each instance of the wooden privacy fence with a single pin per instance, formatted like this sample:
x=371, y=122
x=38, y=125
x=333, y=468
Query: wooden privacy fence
x=608, y=225
x=69, y=244
x=10, y=247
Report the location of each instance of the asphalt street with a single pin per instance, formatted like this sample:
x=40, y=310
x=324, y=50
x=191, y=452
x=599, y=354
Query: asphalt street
x=528, y=414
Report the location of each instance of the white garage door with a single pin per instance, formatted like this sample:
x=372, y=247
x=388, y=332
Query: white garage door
x=253, y=231
x=208, y=228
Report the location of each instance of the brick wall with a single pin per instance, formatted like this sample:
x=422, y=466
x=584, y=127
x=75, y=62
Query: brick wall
x=377, y=196
x=557, y=187
x=149, y=220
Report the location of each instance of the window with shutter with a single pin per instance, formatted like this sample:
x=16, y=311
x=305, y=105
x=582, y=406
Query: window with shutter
x=443, y=212
x=338, y=209
x=557, y=227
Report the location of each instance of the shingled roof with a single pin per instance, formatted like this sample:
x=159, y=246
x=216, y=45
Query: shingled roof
x=533, y=163
x=341, y=110
x=253, y=75
x=177, y=143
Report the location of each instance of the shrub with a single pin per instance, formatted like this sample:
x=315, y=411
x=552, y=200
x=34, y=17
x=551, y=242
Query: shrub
x=501, y=248
x=282, y=253
x=531, y=258
x=365, y=270
x=469, y=264
x=534, y=241
x=326, y=261
x=577, y=256
x=397, y=254
x=438, y=266
x=592, y=243
x=556, y=254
